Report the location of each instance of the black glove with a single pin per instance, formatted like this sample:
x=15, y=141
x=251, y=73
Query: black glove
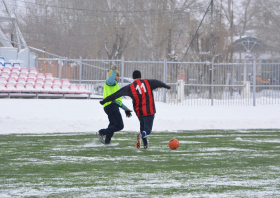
x=128, y=113
x=101, y=102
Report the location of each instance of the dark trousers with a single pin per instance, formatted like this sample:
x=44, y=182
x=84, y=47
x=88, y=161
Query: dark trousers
x=115, y=121
x=146, y=123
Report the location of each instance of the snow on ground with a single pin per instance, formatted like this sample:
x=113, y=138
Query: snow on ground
x=69, y=115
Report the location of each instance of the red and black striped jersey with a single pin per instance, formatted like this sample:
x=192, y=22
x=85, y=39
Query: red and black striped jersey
x=143, y=99
x=141, y=92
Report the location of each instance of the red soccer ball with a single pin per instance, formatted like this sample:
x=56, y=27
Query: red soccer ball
x=173, y=143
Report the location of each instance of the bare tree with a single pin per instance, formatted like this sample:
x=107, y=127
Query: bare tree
x=144, y=29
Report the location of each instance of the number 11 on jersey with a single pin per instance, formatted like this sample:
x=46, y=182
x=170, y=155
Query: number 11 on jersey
x=139, y=89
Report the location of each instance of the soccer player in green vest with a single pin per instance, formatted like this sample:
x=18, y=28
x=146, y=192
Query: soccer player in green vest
x=112, y=108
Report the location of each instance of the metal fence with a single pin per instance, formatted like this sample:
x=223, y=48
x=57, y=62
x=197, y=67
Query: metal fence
x=250, y=82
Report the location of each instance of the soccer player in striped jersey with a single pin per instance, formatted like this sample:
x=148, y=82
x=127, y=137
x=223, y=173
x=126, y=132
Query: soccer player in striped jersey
x=141, y=92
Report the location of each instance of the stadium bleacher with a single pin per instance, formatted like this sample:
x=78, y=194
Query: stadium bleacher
x=2, y=61
x=21, y=82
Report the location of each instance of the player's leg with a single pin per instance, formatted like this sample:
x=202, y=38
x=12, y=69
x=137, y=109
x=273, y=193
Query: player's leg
x=100, y=133
x=148, y=126
x=110, y=122
x=141, y=121
x=148, y=123
x=116, y=122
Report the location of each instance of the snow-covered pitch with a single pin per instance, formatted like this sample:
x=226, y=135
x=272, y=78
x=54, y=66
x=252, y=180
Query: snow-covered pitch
x=49, y=115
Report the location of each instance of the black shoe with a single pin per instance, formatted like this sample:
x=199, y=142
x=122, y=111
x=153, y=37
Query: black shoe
x=107, y=142
x=101, y=137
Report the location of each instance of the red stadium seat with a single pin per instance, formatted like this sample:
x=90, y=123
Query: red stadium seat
x=28, y=87
x=10, y=87
x=65, y=88
x=41, y=75
x=49, y=76
x=22, y=75
x=38, y=87
x=30, y=80
x=14, y=74
x=48, y=81
x=12, y=79
x=57, y=81
x=40, y=80
x=33, y=71
x=3, y=79
x=21, y=80
x=56, y=88
x=16, y=70
x=47, y=88
x=32, y=75
x=7, y=70
x=19, y=87
x=82, y=89
x=5, y=74
x=24, y=70
x=2, y=86
x=73, y=89
x=66, y=81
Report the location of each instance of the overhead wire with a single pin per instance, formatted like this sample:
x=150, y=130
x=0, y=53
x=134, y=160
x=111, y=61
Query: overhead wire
x=103, y=11
x=58, y=21
x=53, y=20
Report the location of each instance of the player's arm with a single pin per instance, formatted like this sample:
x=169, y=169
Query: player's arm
x=111, y=80
x=122, y=92
x=158, y=84
x=126, y=110
x=121, y=105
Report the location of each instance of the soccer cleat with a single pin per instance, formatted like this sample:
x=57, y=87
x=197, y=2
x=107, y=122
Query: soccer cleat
x=138, y=143
x=146, y=146
x=101, y=137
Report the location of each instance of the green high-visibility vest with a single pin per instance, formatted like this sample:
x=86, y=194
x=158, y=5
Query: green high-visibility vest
x=109, y=90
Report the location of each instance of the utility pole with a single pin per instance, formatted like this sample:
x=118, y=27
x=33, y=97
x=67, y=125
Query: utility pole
x=231, y=31
x=169, y=55
x=211, y=50
x=232, y=47
x=212, y=29
x=240, y=47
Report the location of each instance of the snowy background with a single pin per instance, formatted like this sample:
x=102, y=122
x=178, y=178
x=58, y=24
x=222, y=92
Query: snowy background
x=62, y=115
